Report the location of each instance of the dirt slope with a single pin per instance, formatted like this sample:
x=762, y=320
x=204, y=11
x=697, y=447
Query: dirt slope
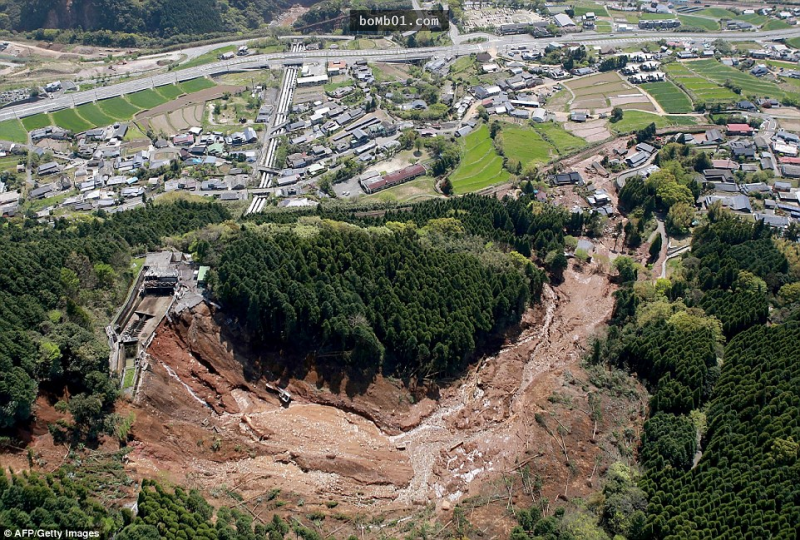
x=205, y=417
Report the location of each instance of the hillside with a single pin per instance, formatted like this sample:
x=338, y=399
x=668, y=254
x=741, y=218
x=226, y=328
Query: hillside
x=164, y=19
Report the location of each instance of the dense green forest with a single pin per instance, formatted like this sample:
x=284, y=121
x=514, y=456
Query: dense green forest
x=131, y=23
x=70, y=499
x=53, y=281
x=531, y=228
x=737, y=403
x=411, y=290
x=408, y=299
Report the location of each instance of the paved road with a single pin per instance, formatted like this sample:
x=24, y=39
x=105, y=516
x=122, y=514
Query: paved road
x=262, y=60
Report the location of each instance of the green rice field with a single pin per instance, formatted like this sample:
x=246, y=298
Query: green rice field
x=480, y=165
x=169, y=91
x=92, y=114
x=698, y=22
x=195, y=85
x=146, y=99
x=118, y=108
x=71, y=120
x=13, y=131
x=560, y=139
x=700, y=88
x=525, y=145
x=636, y=120
x=670, y=97
x=37, y=121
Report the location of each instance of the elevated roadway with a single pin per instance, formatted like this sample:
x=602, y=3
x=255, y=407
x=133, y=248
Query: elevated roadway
x=400, y=55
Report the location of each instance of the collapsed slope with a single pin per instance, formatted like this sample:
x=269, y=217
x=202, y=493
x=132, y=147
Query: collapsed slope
x=387, y=446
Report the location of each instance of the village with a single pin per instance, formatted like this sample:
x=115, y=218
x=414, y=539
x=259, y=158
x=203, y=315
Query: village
x=349, y=128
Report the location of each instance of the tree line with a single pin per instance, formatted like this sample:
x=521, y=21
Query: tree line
x=52, y=281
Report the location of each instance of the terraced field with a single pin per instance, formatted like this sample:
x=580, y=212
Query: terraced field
x=525, y=145
x=698, y=22
x=635, y=120
x=92, y=114
x=12, y=130
x=480, y=165
x=560, y=139
x=670, y=97
x=147, y=99
x=597, y=9
x=774, y=24
x=37, y=121
x=195, y=85
x=750, y=85
x=169, y=91
x=69, y=119
x=118, y=108
x=699, y=88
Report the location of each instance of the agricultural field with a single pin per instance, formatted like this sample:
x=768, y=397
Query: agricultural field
x=698, y=22
x=118, y=108
x=92, y=114
x=418, y=189
x=207, y=58
x=525, y=145
x=635, y=120
x=560, y=139
x=37, y=121
x=597, y=9
x=656, y=16
x=13, y=131
x=749, y=84
x=169, y=91
x=698, y=87
x=757, y=20
x=480, y=165
x=775, y=24
x=602, y=90
x=717, y=13
x=603, y=27
x=69, y=119
x=146, y=99
x=670, y=97
x=195, y=85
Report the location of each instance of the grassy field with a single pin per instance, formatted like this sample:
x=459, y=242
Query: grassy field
x=69, y=119
x=775, y=24
x=700, y=88
x=118, y=108
x=525, y=145
x=603, y=27
x=480, y=165
x=13, y=131
x=717, y=13
x=465, y=63
x=207, y=58
x=195, y=85
x=92, y=114
x=599, y=11
x=698, y=22
x=169, y=91
x=416, y=190
x=794, y=42
x=560, y=139
x=670, y=97
x=635, y=120
x=146, y=99
x=757, y=20
x=37, y=121
x=656, y=16
x=750, y=85
x=330, y=87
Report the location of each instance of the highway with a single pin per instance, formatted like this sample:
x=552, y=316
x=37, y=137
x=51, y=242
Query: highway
x=262, y=60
